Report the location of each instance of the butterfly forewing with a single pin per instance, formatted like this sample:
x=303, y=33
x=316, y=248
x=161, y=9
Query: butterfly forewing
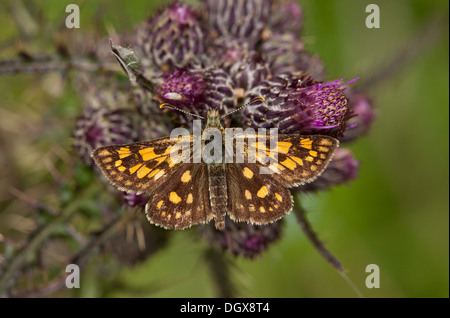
x=140, y=167
x=298, y=159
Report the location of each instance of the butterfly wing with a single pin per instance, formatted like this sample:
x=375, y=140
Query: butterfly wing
x=183, y=200
x=296, y=160
x=255, y=197
x=178, y=189
x=142, y=167
x=257, y=187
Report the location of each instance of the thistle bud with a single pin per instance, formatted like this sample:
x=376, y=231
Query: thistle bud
x=172, y=38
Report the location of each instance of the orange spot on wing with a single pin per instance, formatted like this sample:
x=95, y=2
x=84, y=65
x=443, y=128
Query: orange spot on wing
x=143, y=171
x=306, y=143
x=283, y=146
x=297, y=160
x=288, y=163
x=124, y=152
x=262, y=193
x=147, y=154
x=134, y=168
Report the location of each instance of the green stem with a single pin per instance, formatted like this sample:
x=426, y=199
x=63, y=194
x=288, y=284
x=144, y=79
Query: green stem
x=220, y=273
x=312, y=236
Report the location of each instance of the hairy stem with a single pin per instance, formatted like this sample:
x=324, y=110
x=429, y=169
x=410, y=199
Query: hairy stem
x=312, y=236
x=220, y=273
x=54, y=63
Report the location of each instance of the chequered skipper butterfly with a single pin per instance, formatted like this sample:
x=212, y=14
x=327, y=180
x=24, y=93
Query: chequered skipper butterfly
x=183, y=194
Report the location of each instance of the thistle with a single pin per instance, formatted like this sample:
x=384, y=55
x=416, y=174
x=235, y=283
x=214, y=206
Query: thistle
x=219, y=56
x=222, y=59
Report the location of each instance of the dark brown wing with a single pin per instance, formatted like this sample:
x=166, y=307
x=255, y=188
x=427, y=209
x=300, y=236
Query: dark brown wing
x=144, y=166
x=254, y=197
x=183, y=200
x=296, y=160
x=257, y=187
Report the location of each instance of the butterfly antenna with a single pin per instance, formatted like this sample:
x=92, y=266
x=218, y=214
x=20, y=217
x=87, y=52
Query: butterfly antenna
x=245, y=105
x=166, y=105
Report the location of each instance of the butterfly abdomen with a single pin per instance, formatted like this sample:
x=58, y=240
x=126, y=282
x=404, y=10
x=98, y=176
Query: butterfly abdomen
x=218, y=193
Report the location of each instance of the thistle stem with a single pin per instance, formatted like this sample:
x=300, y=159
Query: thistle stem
x=312, y=236
x=220, y=272
x=54, y=63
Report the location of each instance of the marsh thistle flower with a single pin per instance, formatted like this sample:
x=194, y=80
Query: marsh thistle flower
x=221, y=55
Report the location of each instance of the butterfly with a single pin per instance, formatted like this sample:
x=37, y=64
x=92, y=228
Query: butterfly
x=183, y=193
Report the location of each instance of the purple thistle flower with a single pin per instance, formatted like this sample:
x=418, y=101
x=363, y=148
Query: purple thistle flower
x=286, y=17
x=196, y=90
x=226, y=52
x=131, y=200
x=362, y=116
x=285, y=54
x=172, y=38
x=135, y=242
x=243, y=239
x=182, y=87
x=300, y=105
x=103, y=122
x=241, y=19
x=249, y=72
x=237, y=50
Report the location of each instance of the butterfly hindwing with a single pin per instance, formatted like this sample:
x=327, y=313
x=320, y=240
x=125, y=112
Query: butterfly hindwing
x=183, y=200
x=254, y=197
x=257, y=188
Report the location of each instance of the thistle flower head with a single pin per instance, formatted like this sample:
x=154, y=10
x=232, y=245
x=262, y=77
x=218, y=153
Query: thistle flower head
x=362, y=116
x=197, y=90
x=225, y=52
x=136, y=242
x=300, y=105
x=103, y=122
x=286, y=17
x=181, y=87
x=172, y=38
x=249, y=72
x=235, y=51
x=241, y=19
x=132, y=200
x=243, y=239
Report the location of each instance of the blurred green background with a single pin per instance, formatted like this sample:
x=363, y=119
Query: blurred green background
x=395, y=214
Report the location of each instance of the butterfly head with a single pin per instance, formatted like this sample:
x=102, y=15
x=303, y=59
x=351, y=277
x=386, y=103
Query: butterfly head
x=213, y=119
